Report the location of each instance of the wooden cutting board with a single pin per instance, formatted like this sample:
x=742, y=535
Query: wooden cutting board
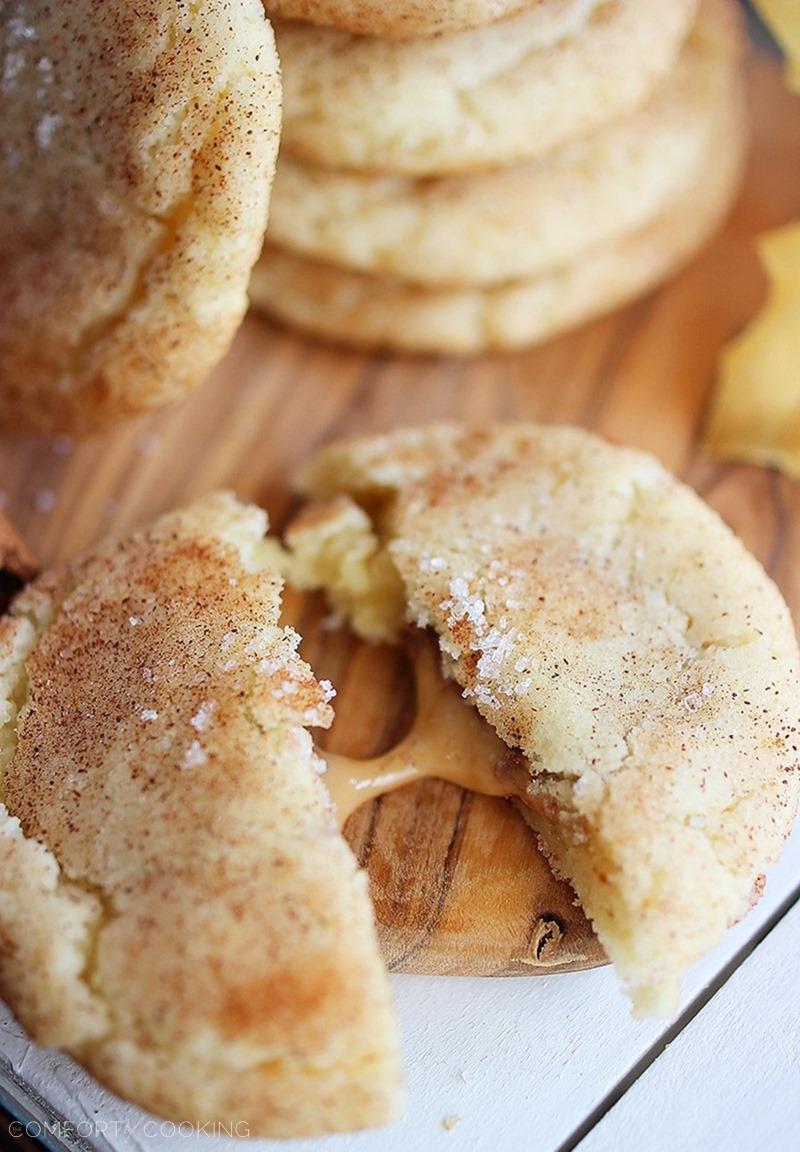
x=458, y=882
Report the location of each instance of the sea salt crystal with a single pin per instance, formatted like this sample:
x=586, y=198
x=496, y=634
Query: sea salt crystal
x=147, y=675
x=483, y=694
x=328, y=690
x=13, y=64
x=204, y=715
x=148, y=714
x=707, y=689
x=227, y=641
x=692, y=701
x=494, y=649
x=46, y=129
x=463, y=606
x=134, y=621
x=19, y=30
x=195, y=756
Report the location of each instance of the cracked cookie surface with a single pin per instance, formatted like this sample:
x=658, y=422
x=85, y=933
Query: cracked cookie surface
x=137, y=156
x=177, y=907
x=607, y=624
x=477, y=99
x=522, y=221
x=376, y=311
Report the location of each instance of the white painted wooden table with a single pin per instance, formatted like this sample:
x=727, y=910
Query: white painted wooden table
x=538, y=1065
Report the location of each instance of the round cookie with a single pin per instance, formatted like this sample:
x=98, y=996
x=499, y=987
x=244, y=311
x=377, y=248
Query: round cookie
x=476, y=99
x=488, y=228
x=355, y=308
x=136, y=161
x=612, y=630
x=178, y=909
x=400, y=19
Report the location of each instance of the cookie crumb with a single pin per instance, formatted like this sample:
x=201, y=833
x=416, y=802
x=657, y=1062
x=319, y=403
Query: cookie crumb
x=450, y=1122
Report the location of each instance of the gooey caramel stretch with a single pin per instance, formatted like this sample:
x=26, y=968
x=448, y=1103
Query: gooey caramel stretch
x=449, y=740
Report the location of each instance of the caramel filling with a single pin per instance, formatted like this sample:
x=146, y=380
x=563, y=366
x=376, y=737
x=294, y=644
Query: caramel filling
x=449, y=740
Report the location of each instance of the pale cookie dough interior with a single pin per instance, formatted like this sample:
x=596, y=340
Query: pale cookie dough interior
x=138, y=151
x=177, y=907
x=477, y=99
x=606, y=623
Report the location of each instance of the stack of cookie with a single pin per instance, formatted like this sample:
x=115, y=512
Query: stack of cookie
x=447, y=187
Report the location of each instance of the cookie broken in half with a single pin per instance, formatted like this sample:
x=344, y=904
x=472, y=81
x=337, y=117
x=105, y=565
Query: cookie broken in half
x=178, y=910
x=612, y=630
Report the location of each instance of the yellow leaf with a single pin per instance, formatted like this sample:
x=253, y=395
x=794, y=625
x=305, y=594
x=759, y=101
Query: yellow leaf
x=783, y=17
x=755, y=413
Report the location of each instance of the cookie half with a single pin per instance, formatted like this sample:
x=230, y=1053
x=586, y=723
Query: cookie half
x=477, y=99
x=520, y=222
x=177, y=907
x=370, y=311
x=137, y=156
x=608, y=625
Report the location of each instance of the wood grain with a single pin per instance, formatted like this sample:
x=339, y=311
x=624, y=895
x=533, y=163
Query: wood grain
x=458, y=883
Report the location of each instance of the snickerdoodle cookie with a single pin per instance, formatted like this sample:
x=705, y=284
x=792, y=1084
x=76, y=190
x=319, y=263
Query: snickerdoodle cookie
x=523, y=221
x=137, y=154
x=372, y=311
x=177, y=907
x=475, y=99
x=612, y=630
